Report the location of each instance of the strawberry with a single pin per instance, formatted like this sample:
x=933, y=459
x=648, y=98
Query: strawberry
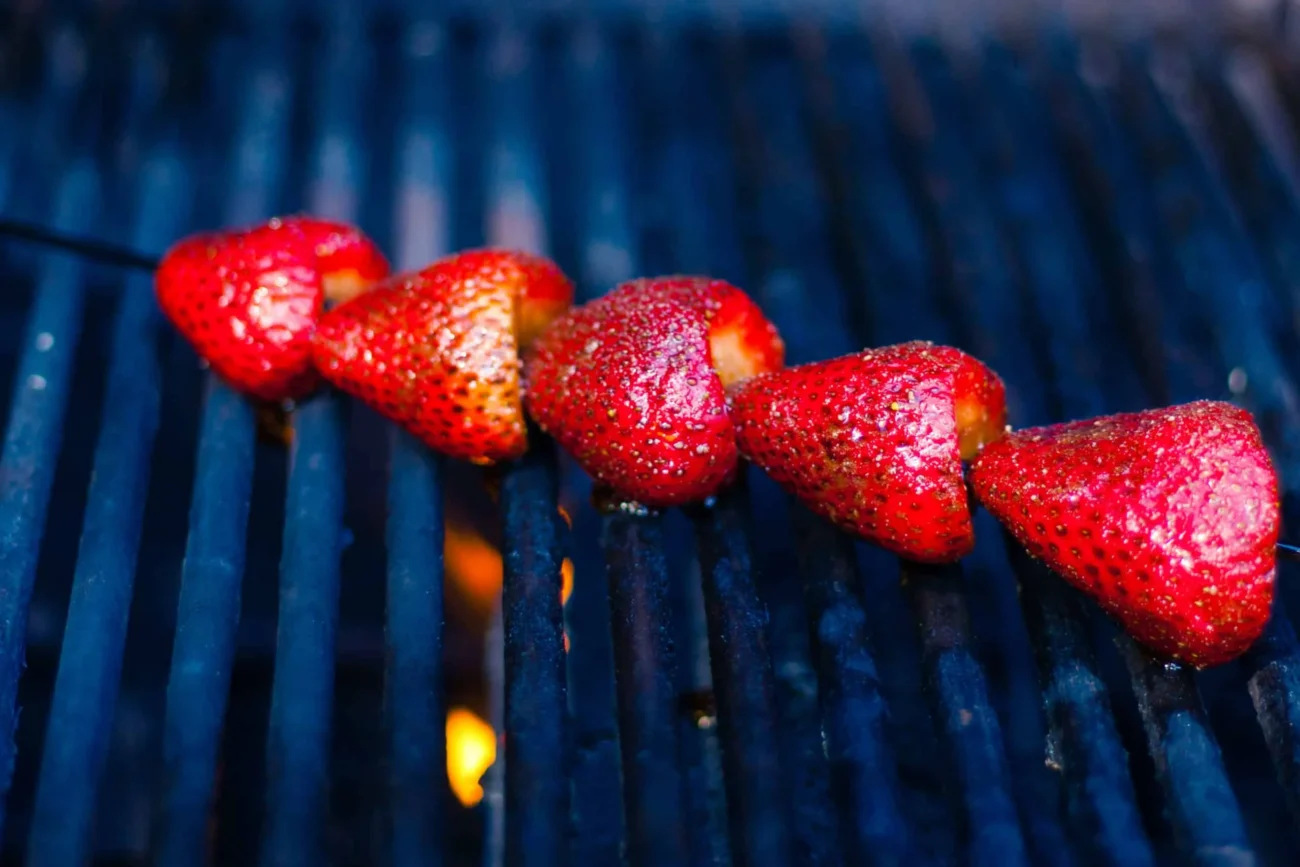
x=634, y=384
x=248, y=300
x=1168, y=518
x=874, y=441
x=437, y=350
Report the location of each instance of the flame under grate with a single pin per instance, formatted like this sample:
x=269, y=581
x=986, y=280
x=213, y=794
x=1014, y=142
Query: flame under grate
x=237, y=653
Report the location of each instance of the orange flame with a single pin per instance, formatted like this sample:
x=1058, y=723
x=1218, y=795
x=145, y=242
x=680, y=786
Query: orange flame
x=473, y=565
x=471, y=750
x=566, y=578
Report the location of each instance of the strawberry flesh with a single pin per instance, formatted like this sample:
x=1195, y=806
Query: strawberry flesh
x=874, y=441
x=633, y=384
x=1168, y=518
x=438, y=350
x=248, y=300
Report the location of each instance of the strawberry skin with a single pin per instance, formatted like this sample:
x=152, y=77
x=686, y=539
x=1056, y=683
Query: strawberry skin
x=437, y=351
x=1168, y=518
x=248, y=300
x=633, y=384
x=874, y=441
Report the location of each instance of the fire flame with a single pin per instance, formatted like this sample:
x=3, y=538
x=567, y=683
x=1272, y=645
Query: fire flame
x=474, y=566
x=471, y=750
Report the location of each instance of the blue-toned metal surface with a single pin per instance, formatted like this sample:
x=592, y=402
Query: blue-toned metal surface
x=647, y=687
x=31, y=443
x=207, y=619
x=413, y=682
x=1107, y=227
x=743, y=683
x=302, y=697
x=85, y=690
x=536, y=715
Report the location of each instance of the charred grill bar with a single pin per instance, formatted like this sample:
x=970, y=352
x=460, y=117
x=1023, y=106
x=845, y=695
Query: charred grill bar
x=1110, y=224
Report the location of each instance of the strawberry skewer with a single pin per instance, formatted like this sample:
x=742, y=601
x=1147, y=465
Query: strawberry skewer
x=1179, y=542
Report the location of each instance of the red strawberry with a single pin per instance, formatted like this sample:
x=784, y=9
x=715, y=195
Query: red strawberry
x=874, y=441
x=438, y=350
x=1168, y=518
x=634, y=384
x=248, y=300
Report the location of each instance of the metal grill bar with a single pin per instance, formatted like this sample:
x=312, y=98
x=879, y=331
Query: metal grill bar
x=871, y=824
x=744, y=687
x=680, y=236
x=413, y=678
x=1083, y=735
x=207, y=619
x=1037, y=210
x=853, y=762
x=85, y=691
x=647, y=689
x=31, y=444
x=591, y=157
x=1268, y=204
x=778, y=230
x=1206, y=816
x=536, y=776
x=302, y=695
x=538, y=760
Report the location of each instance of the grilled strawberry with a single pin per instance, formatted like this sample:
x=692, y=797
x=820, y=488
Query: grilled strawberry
x=438, y=350
x=248, y=300
x=634, y=384
x=874, y=441
x=1168, y=518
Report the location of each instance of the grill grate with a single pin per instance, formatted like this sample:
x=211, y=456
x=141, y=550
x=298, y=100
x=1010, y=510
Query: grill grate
x=239, y=654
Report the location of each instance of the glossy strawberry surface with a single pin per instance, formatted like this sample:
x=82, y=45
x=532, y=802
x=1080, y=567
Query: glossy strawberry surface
x=248, y=300
x=1168, y=518
x=633, y=384
x=438, y=350
x=874, y=441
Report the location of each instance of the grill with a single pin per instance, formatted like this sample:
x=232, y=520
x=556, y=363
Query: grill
x=228, y=651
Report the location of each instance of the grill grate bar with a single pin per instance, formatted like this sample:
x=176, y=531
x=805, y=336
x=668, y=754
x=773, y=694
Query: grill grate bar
x=1080, y=720
x=600, y=233
x=1064, y=288
x=744, y=688
x=413, y=677
x=1203, y=810
x=537, y=772
x=687, y=225
x=31, y=444
x=955, y=681
x=536, y=778
x=786, y=254
x=90, y=664
x=1272, y=213
x=1206, y=816
x=207, y=619
x=647, y=689
x=844, y=695
x=960, y=704
x=865, y=778
x=302, y=694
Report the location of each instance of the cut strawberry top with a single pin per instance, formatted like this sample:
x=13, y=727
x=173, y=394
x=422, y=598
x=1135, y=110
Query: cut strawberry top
x=874, y=441
x=348, y=260
x=248, y=300
x=438, y=350
x=634, y=384
x=742, y=342
x=1168, y=517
